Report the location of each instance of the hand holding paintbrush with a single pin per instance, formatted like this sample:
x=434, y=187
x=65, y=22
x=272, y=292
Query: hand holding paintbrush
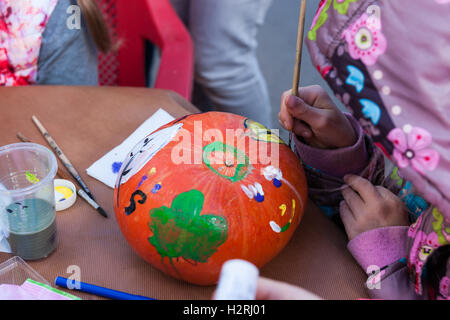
x=309, y=112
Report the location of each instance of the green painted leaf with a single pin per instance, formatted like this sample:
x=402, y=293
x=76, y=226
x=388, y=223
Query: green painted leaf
x=180, y=231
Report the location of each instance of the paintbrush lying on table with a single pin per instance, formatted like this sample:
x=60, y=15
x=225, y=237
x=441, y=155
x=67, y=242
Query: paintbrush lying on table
x=61, y=174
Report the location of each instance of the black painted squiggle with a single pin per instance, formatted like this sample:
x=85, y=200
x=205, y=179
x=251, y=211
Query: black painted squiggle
x=132, y=207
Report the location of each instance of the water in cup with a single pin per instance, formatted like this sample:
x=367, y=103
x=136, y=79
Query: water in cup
x=27, y=201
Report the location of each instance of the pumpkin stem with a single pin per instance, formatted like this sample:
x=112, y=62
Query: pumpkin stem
x=229, y=163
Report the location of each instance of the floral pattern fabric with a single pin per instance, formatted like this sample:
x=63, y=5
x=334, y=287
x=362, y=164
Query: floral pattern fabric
x=365, y=40
x=363, y=52
x=22, y=23
x=412, y=149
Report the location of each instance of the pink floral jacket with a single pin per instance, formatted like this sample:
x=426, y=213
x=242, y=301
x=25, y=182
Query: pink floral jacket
x=389, y=64
x=22, y=23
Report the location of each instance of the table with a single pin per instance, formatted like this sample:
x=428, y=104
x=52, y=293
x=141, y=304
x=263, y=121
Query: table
x=87, y=122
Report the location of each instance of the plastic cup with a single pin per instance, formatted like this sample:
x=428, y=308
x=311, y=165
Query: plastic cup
x=27, y=200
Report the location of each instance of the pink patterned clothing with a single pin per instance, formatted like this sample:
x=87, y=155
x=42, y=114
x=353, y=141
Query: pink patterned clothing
x=399, y=101
x=22, y=24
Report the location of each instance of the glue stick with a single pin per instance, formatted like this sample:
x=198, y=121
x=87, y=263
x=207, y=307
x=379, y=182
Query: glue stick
x=238, y=280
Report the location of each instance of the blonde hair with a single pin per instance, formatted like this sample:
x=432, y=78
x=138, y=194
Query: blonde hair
x=97, y=25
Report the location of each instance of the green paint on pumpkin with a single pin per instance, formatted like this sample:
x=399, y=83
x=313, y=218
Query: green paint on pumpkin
x=181, y=232
x=285, y=227
x=241, y=161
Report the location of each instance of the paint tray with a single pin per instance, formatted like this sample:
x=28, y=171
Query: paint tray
x=16, y=271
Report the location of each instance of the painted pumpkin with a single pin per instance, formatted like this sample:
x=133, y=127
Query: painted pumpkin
x=207, y=188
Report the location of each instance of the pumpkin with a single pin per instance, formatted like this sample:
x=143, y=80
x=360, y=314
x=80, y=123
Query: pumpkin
x=207, y=188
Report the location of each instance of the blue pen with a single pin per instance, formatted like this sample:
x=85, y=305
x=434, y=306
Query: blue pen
x=99, y=291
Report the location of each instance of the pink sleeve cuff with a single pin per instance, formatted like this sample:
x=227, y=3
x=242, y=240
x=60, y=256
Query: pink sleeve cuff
x=379, y=247
x=336, y=162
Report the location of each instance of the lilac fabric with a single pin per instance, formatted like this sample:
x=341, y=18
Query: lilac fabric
x=379, y=247
x=400, y=97
x=330, y=160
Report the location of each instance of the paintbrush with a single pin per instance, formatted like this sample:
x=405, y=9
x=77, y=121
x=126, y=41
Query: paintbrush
x=65, y=161
x=63, y=175
x=298, y=64
x=298, y=54
x=60, y=173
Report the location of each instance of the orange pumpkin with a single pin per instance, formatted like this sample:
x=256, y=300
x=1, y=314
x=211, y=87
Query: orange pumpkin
x=196, y=193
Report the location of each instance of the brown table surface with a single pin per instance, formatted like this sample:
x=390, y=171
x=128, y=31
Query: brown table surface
x=87, y=122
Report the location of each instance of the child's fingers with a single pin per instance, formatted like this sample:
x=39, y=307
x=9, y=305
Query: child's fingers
x=348, y=219
x=364, y=187
x=284, y=116
x=353, y=200
x=345, y=211
x=311, y=94
x=302, y=129
x=299, y=109
x=384, y=193
x=268, y=289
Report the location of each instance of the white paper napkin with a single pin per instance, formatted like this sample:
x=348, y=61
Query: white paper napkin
x=107, y=168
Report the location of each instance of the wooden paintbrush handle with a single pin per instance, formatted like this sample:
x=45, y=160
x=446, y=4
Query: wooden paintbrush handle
x=60, y=173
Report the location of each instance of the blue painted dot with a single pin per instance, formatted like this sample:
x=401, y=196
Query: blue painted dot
x=277, y=183
x=142, y=181
x=116, y=167
x=156, y=188
x=259, y=198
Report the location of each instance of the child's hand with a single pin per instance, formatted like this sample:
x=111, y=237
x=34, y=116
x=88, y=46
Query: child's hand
x=316, y=119
x=269, y=289
x=368, y=207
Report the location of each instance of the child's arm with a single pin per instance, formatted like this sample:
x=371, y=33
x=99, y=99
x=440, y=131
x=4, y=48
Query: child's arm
x=374, y=218
x=330, y=143
x=67, y=56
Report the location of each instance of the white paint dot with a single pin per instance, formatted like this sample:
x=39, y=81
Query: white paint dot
x=407, y=128
x=378, y=75
x=396, y=110
x=386, y=90
x=275, y=227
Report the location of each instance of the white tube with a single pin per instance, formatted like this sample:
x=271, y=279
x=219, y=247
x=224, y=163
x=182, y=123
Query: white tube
x=238, y=281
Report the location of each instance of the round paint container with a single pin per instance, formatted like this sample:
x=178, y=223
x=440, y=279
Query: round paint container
x=65, y=194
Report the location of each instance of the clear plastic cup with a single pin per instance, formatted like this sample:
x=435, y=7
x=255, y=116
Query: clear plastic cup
x=27, y=200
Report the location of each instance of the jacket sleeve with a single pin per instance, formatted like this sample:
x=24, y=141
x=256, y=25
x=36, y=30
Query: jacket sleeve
x=382, y=254
x=325, y=168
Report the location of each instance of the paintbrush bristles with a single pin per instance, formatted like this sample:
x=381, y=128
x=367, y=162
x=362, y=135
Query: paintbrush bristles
x=298, y=56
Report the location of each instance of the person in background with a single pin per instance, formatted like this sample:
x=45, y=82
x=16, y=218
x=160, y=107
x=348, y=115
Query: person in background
x=226, y=66
x=37, y=46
